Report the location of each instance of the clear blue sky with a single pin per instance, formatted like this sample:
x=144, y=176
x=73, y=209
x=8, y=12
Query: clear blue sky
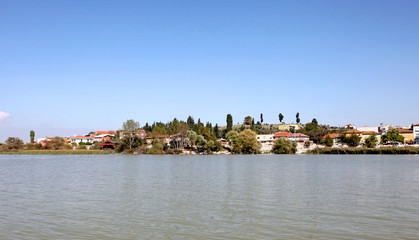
x=70, y=67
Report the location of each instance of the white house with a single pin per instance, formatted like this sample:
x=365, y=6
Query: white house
x=416, y=132
x=266, y=140
x=368, y=129
x=79, y=139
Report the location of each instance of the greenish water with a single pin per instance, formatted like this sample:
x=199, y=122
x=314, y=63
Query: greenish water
x=209, y=197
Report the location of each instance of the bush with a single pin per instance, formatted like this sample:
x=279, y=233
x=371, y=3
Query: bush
x=384, y=150
x=157, y=148
x=283, y=146
x=82, y=146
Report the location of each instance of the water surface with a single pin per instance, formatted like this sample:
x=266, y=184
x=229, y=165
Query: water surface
x=209, y=197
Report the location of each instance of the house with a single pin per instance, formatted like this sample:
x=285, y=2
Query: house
x=81, y=139
x=223, y=141
x=279, y=135
x=368, y=129
x=353, y=131
x=350, y=126
x=139, y=133
x=366, y=134
x=288, y=127
x=296, y=137
x=299, y=137
x=407, y=134
x=164, y=138
x=266, y=140
x=415, y=128
x=333, y=136
x=105, y=133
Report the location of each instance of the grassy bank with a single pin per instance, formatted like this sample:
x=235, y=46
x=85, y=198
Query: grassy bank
x=382, y=150
x=55, y=152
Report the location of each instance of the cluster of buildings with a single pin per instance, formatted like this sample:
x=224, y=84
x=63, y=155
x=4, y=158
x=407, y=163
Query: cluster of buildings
x=105, y=138
x=267, y=140
x=410, y=134
x=286, y=131
x=98, y=136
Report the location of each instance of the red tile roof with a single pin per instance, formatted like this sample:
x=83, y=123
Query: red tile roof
x=353, y=131
x=332, y=135
x=282, y=134
x=405, y=131
x=369, y=133
x=105, y=132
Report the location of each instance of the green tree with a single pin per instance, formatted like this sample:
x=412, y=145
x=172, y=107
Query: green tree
x=158, y=130
x=284, y=146
x=328, y=141
x=201, y=142
x=234, y=141
x=297, y=118
x=314, y=121
x=229, y=122
x=174, y=126
x=261, y=117
x=217, y=131
x=371, y=141
x=190, y=121
x=281, y=117
x=393, y=135
x=157, y=148
x=129, y=127
x=249, y=142
x=192, y=136
x=207, y=134
x=14, y=143
x=32, y=136
x=352, y=140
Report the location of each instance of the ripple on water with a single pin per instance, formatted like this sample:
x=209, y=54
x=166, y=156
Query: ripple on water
x=209, y=197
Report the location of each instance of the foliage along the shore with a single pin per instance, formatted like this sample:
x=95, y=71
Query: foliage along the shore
x=365, y=150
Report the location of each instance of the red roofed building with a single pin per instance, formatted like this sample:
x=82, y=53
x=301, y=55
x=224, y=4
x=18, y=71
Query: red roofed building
x=333, y=136
x=139, y=133
x=79, y=139
x=279, y=135
x=109, y=133
x=297, y=137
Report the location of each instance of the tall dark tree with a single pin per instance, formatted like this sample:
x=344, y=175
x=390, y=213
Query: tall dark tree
x=32, y=136
x=261, y=117
x=297, y=118
x=216, y=131
x=209, y=126
x=229, y=122
x=281, y=117
x=314, y=121
x=190, y=121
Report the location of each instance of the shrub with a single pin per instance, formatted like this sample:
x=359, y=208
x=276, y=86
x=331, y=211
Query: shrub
x=283, y=146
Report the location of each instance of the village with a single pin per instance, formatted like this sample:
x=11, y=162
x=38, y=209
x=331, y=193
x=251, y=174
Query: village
x=297, y=134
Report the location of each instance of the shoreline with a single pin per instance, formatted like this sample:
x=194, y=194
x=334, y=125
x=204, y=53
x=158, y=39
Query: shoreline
x=316, y=151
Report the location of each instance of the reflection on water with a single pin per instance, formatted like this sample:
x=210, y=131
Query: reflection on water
x=209, y=197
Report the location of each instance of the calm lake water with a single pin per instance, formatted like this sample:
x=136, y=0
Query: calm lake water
x=209, y=197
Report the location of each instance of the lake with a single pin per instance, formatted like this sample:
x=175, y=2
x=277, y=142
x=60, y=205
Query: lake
x=209, y=197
